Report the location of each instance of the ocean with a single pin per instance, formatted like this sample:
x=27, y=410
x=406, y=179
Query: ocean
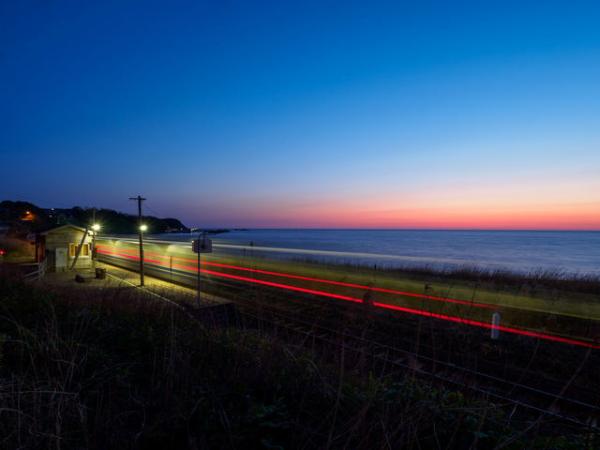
x=575, y=252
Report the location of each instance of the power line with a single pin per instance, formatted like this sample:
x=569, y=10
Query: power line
x=158, y=214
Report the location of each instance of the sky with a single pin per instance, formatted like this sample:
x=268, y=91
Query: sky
x=306, y=114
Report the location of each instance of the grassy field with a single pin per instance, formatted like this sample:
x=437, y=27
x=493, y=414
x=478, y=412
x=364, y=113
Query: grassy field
x=117, y=369
x=561, y=313
x=564, y=303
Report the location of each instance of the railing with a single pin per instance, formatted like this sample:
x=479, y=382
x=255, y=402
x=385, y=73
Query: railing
x=38, y=272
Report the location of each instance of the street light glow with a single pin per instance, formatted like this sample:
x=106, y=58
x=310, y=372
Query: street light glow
x=96, y=227
x=143, y=227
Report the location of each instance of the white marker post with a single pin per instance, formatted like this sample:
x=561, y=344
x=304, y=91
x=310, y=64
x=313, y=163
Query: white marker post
x=199, y=246
x=495, y=333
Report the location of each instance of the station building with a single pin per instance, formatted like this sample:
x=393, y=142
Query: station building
x=61, y=246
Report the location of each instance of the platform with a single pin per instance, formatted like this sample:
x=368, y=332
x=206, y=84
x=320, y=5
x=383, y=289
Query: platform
x=118, y=279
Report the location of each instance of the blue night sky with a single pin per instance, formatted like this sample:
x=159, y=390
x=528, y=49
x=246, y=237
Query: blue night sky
x=417, y=114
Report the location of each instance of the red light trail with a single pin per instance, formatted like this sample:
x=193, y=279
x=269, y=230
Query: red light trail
x=330, y=282
x=419, y=312
x=353, y=285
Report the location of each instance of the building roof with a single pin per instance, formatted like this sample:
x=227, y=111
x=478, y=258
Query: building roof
x=68, y=225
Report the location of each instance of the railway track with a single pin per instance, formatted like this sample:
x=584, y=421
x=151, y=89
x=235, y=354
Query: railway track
x=315, y=321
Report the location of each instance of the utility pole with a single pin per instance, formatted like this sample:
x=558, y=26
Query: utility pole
x=95, y=231
x=201, y=245
x=139, y=201
x=199, y=276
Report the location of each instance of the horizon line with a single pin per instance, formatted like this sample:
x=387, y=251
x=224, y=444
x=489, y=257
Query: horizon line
x=242, y=228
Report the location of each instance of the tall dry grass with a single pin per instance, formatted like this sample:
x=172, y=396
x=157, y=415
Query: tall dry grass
x=117, y=369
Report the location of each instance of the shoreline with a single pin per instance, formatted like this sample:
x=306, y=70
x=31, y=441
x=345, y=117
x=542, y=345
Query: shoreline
x=448, y=267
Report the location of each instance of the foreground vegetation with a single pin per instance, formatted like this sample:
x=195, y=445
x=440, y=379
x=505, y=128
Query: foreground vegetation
x=118, y=370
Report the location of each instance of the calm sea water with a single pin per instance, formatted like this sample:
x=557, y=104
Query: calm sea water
x=522, y=251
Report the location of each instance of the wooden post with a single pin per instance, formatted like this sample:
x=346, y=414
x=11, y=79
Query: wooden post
x=85, y=233
x=495, y=333
x=139, y=200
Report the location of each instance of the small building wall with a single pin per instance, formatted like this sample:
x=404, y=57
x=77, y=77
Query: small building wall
x=69, y=238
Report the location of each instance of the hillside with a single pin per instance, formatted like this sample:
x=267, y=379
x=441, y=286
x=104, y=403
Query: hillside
x=23, y=217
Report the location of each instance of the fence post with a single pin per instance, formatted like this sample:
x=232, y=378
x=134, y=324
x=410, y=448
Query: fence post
x=495, y=333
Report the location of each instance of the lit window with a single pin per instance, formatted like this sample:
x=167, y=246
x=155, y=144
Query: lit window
x=85, y=250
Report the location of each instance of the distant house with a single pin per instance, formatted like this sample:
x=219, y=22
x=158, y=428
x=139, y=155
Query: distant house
x=60, y=246
x=59, y=216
